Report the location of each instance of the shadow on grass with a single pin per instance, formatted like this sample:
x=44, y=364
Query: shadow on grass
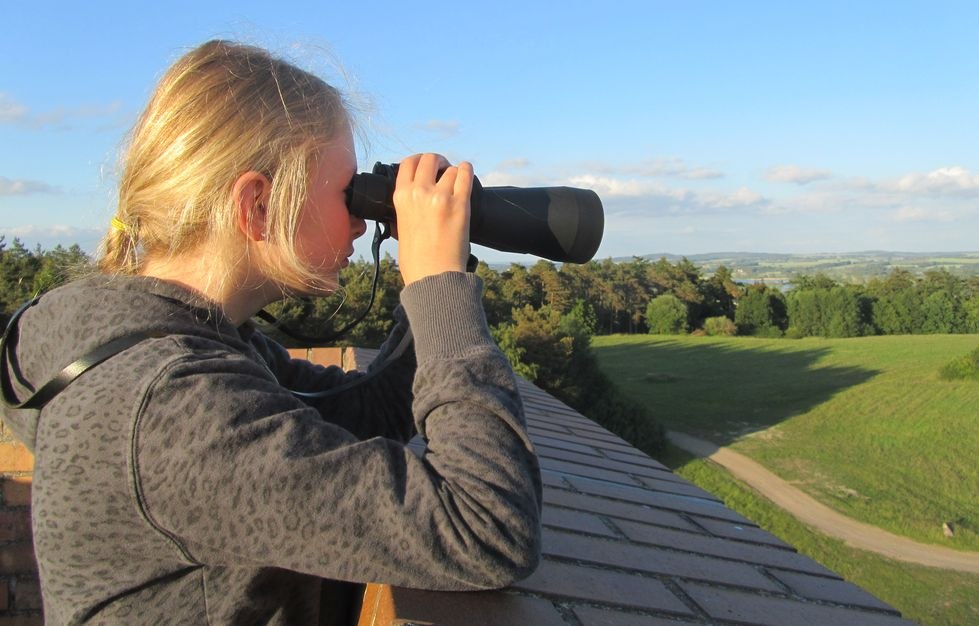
x=722, y=391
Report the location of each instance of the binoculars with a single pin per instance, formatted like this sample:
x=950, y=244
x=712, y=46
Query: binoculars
x=563, y=224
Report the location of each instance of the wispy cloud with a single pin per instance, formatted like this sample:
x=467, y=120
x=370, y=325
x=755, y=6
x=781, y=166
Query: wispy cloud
x=921, y=214
x=24, y=187
x=443, y=129
x=14, y=113
x=674, y=167
x=655, y=197
x=796, y=174
x=518, y=163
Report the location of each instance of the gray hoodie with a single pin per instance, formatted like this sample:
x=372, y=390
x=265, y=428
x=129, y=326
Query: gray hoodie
x=181, y=481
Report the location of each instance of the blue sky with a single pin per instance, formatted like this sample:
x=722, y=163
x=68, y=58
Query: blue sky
x=703, y=126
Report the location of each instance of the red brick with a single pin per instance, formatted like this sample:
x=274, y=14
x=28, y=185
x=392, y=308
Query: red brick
x=27, y=595
x=575, y=520
x=325, y=356
x=18, y=558
x=623, y=554
x=15, y=457
x=591, y=616
x=736, y=606
x=16, y=490
x=601, y=585
x=15, y=525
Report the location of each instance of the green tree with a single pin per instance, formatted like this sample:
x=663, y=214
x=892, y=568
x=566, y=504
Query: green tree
x=667, y=315
x=720, y=293
x=498, y=308
x=521, y=288
x=555, y=353
x=825, y=309
x=761, y=311
x=18, y=268
x=555, y=290
x=942, y=313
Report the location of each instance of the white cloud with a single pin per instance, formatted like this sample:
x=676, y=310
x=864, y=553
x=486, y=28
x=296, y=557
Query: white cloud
x=610, y=186
x=796, y=174
x=943, y=181
x=23, y=187
x=655, y=198
x=443, y=129
x=13, y=112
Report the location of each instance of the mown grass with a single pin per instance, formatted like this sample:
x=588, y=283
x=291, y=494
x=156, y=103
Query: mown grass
x=865, y=425
x=929, y=596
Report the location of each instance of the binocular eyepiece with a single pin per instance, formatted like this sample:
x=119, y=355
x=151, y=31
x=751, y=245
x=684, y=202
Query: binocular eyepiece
x=562, y=224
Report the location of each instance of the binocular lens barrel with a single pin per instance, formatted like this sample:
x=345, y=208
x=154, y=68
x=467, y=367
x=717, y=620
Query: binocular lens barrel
x=563, y=224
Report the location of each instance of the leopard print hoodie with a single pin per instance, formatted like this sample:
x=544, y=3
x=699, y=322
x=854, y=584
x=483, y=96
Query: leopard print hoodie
x=181, y=482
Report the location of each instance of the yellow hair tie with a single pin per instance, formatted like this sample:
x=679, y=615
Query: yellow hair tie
x=119, y=225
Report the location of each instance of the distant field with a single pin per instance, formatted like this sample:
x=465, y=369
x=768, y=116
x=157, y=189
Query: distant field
x=853, y=267
x=862, y=424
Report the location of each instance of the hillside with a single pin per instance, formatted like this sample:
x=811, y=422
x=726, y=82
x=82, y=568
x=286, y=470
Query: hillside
x=863, y=425
x=846, y=267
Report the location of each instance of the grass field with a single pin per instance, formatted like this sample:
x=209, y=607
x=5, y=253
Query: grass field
x=864, y=425
x=928, y=596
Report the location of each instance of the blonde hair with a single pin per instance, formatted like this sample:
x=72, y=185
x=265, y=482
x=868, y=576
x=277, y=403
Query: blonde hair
x=221, y=110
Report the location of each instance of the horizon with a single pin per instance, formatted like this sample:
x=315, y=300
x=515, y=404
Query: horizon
x=825, y=129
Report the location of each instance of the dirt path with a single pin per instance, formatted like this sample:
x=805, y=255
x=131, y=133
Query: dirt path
x=824, y=519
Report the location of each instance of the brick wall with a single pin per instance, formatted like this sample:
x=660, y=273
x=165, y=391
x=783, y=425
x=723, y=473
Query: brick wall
x=20, y=595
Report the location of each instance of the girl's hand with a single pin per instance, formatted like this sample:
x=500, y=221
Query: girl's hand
x=432, y=216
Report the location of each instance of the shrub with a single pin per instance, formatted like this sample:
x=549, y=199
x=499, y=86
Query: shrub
x=963, y=368
x=720, y=326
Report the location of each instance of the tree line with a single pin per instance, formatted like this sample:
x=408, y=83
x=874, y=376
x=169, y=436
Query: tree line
x=543, y=316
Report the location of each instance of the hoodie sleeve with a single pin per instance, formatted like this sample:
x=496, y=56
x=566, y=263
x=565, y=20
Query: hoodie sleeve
x=371, y=403
x=237, y=471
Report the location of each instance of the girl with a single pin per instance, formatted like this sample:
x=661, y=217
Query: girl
x=185, y=479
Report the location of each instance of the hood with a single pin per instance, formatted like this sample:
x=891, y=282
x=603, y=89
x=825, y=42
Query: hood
x=73, y=321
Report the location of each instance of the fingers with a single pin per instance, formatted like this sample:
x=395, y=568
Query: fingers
x=431, y=200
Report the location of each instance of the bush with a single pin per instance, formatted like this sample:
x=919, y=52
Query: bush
x=963, y=368
x=667, y=315
x=553, y=351
x=720, y=327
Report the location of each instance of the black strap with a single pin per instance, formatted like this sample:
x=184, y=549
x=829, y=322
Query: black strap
x=68, y=375
x=308, y=341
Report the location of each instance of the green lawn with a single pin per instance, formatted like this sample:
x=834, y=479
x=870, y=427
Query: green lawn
x=928, y=596
x=863, y=424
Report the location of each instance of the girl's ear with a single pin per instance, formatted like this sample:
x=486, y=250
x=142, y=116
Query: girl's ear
x=251, y=195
